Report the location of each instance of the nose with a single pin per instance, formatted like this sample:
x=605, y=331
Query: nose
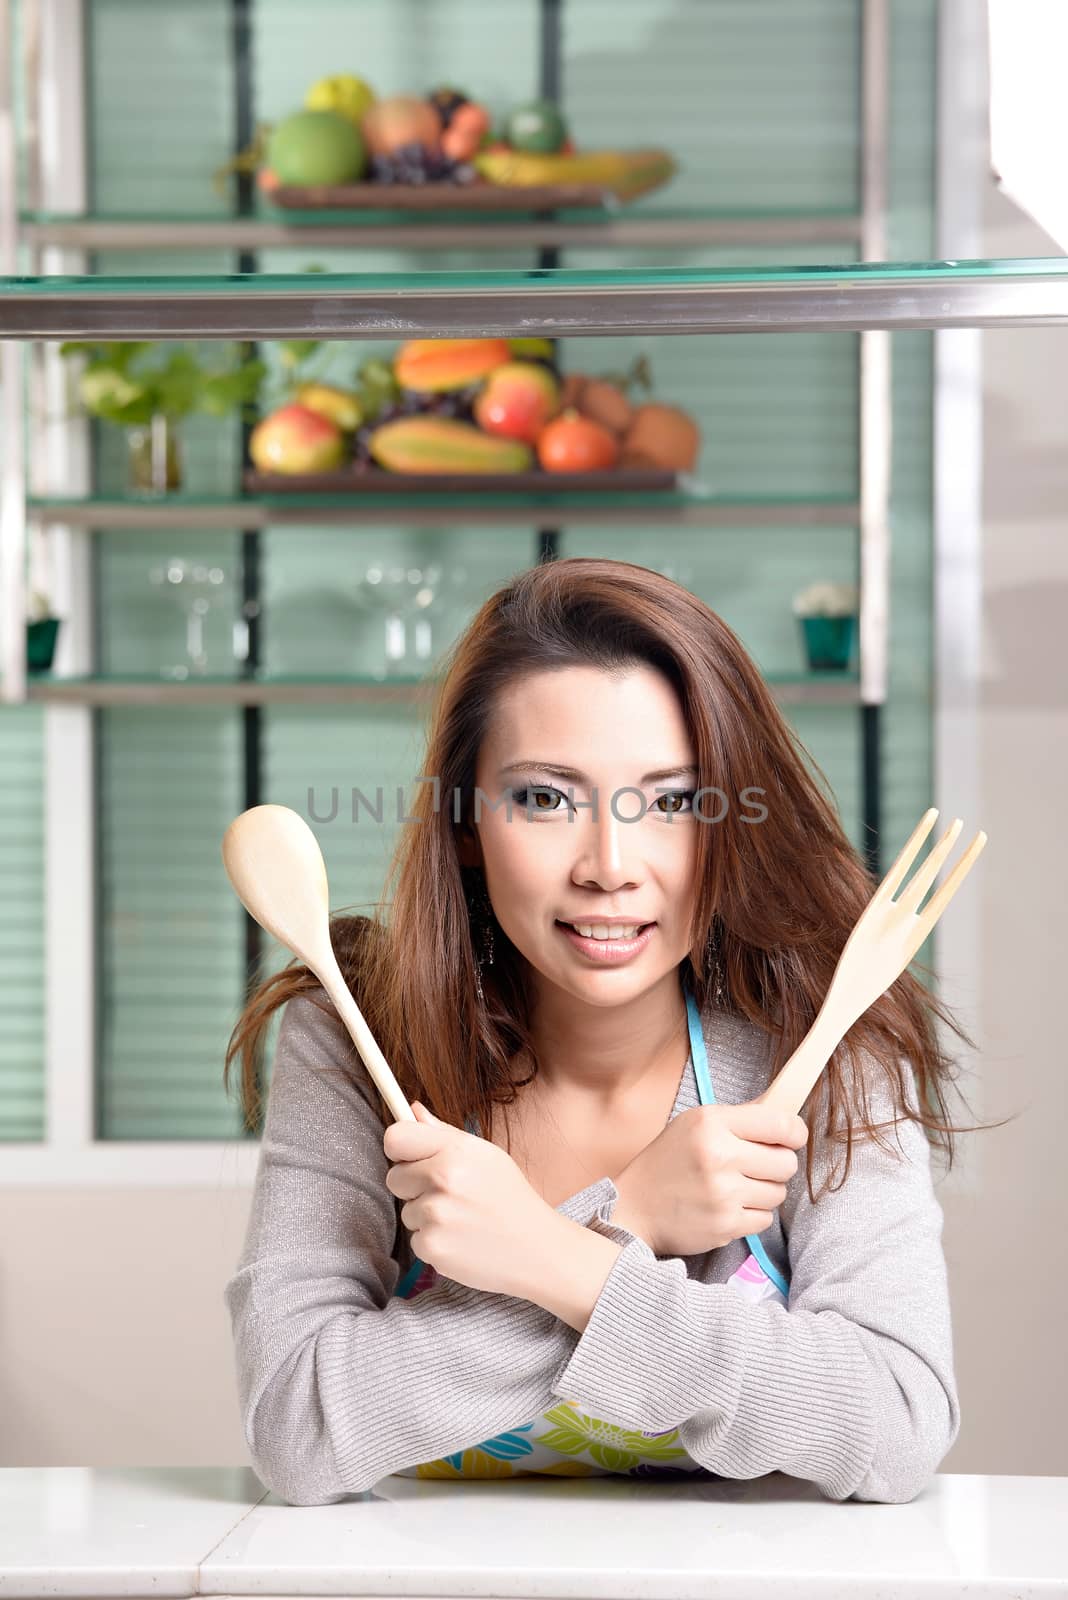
x=607, y=845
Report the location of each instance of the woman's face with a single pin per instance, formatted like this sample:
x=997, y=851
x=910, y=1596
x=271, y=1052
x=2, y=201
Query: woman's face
x=560, y=861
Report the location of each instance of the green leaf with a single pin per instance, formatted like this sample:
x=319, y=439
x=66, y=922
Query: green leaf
x=223, y=392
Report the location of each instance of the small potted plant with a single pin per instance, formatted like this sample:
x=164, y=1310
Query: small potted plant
x=41, y=630
x=147, y=389
x=828, y=616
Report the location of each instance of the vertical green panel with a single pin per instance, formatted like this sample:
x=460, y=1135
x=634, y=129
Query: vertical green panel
x=160, y=107
x=22, y=891
x=171, y=936
x=170, y=927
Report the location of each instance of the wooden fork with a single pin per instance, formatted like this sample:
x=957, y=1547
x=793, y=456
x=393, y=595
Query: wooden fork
x=887, y=935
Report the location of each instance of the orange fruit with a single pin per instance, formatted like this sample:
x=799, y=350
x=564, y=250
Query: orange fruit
x=573, y=443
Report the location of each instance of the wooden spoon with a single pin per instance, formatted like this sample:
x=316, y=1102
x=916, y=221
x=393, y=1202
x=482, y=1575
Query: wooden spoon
x=273, y=860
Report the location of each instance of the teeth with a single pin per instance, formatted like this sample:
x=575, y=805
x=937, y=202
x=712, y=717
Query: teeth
x=601, y=930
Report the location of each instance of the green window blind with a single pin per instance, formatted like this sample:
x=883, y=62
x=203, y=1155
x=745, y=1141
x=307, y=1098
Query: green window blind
x=22, y=1082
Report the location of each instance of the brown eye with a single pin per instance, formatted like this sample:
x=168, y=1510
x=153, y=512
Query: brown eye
x=521, y=797
x=677, y=795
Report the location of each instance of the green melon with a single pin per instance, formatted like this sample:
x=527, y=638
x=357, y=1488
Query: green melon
x=316, y=147
x=537, y=126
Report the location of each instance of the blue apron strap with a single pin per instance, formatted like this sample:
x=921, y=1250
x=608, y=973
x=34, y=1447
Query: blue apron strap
x=706, y=1095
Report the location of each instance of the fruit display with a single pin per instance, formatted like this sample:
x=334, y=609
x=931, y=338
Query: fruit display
x=471, y=408
x=348, y=139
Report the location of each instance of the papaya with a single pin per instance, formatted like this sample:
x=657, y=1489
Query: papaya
x=442, y=444
x=435, y=365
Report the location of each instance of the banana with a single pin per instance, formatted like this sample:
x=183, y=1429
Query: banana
x=628, y=172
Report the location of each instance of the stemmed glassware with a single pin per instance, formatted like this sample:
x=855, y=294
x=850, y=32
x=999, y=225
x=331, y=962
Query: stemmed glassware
x=405, y=597
x=195, y=585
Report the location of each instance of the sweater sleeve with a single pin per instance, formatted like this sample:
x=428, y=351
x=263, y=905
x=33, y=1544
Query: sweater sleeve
x=852, y=1387
x=340, y=1382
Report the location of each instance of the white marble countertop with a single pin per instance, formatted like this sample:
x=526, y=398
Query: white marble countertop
x=184, y=1531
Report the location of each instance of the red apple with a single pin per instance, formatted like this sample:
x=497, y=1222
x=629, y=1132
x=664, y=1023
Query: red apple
x=517, y=401
x=296, y=439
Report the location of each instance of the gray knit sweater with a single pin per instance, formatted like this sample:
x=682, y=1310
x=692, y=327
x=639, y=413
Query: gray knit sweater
x=340, y=1383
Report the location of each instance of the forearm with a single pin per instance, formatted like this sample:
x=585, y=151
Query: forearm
x=565, y=1270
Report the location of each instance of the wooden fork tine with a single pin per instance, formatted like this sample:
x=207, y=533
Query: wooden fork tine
x=918, y=886
x=940, y=900
x=907, y=856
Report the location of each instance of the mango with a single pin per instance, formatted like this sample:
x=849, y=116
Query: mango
x=517, y=401
x=294, y=439
x=432, y=366
x=339, y=406
x=442, y=444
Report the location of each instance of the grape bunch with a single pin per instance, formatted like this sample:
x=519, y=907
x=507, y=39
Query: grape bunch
x=418, y=163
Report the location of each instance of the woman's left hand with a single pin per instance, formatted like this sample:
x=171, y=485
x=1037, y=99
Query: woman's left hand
x=472, y=1214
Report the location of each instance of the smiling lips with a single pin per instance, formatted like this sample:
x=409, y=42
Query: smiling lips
x=605, y=948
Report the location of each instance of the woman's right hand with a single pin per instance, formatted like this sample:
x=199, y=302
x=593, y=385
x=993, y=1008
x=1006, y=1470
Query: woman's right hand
x=715, y=1173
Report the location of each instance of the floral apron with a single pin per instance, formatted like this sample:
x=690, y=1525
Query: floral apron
x=564, y=1441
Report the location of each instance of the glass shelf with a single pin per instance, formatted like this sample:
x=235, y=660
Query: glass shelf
x=789, y=688
x=270, y=227
x=550, y=301
x=435, y=508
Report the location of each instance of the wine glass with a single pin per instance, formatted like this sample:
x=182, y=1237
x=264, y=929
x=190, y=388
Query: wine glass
x=403, y=597
x=194, y=585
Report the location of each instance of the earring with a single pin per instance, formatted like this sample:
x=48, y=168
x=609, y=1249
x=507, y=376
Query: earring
x=716, y=964
x=481, y=914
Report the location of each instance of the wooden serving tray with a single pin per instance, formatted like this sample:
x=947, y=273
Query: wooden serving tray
x=452, y=196
x=377, y=481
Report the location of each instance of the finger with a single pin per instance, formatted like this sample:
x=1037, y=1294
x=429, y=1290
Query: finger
x=409, y=1179
x=772, y=1166
x=410, y=1141
x=767, y=1125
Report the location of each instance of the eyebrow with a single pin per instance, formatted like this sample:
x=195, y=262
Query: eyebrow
x=574, y=776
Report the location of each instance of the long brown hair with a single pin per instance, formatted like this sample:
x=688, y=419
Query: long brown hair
x=779, y=897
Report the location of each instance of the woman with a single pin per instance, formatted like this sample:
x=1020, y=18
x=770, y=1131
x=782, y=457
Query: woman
x=627, y=1274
